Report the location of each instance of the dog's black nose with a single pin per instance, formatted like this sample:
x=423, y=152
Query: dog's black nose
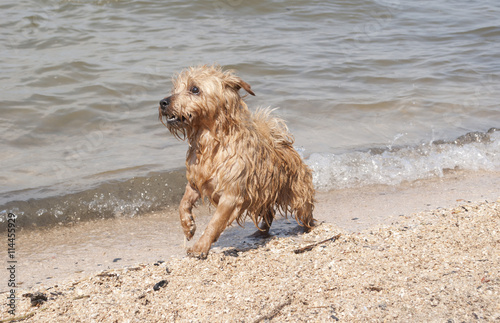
x=165, y=103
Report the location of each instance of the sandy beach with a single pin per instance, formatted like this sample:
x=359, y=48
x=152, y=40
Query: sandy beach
x=440, y=264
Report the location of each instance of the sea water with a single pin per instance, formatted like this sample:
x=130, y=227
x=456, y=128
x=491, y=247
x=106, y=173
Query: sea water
x=374, y=92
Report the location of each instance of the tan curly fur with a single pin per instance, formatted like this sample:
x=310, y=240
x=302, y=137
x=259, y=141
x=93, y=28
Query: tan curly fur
x=243, y=163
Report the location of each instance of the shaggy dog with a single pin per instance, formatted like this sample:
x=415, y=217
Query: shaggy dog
x=243, y=163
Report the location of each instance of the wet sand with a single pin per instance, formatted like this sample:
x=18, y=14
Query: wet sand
x=379, y=268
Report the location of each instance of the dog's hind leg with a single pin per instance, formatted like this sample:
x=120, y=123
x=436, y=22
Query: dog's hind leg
x=265, y=225
x=228, y=208
x=191, y=195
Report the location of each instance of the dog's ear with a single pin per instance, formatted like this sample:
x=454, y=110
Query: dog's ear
x=237, y=84
x=246, y=87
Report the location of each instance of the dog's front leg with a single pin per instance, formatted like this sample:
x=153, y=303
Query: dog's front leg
x=191, y=195
x=227, y=210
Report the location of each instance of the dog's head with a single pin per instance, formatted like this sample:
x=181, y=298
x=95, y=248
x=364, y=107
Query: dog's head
x=203, y=97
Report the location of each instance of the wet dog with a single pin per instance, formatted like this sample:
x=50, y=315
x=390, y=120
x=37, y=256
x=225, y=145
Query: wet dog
x=243, y=163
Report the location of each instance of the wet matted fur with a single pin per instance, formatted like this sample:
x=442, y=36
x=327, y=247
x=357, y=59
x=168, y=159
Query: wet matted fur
x=243, y=163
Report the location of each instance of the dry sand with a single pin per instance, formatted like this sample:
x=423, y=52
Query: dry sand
x=440, y=265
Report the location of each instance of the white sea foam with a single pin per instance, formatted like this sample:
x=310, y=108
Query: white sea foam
x=394, y=166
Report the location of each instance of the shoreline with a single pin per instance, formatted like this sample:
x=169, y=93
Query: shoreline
x=49, y=256
x=377, y=219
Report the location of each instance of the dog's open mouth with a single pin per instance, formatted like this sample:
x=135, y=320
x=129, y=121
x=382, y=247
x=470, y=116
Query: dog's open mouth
x=172, y=118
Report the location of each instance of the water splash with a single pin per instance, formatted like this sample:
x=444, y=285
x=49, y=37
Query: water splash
x=392, y=166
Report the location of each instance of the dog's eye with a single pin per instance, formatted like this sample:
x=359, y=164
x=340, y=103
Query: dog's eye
x=195, y=90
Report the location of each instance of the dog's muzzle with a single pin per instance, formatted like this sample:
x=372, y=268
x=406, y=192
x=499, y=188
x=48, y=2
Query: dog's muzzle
x=164, y=107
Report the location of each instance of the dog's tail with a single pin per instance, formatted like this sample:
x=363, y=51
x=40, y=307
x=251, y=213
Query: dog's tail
x=273, y=126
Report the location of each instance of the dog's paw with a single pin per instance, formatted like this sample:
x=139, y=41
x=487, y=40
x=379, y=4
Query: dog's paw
x=189, y=228
x=197, y=251
x=194, y=254
x=259, y=234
